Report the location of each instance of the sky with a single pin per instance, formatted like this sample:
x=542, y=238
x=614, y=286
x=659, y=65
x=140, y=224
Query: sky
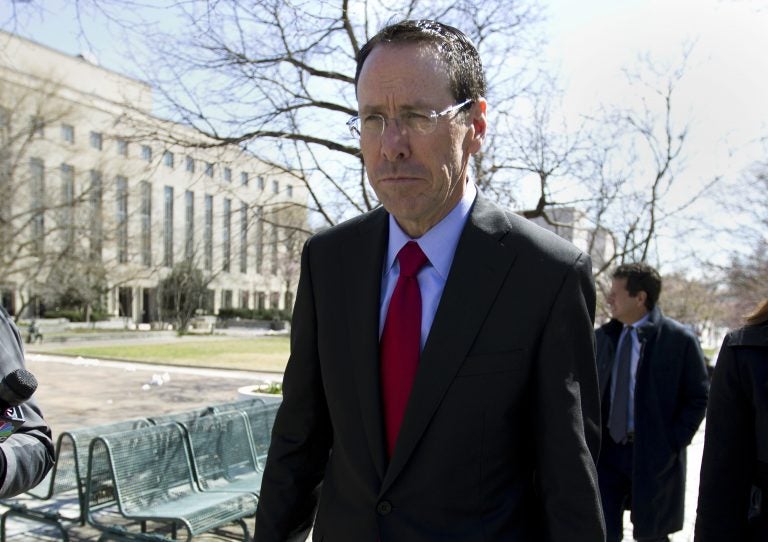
x=723, y=95
x=724, y=89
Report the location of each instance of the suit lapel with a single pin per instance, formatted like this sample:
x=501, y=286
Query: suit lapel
x=479, y=268
x=362, y=266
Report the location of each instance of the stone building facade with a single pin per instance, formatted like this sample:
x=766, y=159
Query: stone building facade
x=97, y=190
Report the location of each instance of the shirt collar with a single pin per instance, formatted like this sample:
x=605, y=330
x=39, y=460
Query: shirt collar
x=439, y=243
x=640, y=322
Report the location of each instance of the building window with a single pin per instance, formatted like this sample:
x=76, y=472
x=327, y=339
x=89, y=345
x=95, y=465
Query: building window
x=95, y=198
x=243, y=237
x=289, y=190
x=208, y=233
x=190, y=164
x=227, y=175
x=189, y=224
x=226, y=299
x=68, y=133
x=245, y=299
x=208, y=300
x=122, y=218
x=36, y=126
x=288, y=306
x=37, y=204
x=260, y=182
x=125, y=302
x=259, y=238
x=274, y=300
x=209, y=169
x=226, y=235
x=168, y=159
x=275, y=253
x=146, y=153
x=146, y=223
x=244, y=178
x=122, y=147
x=67, y=215
x=168, y=226
x=97, y=141
x=275, y=187
x=261, y=301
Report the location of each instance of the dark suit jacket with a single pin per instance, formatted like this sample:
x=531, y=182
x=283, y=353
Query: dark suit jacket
x=735, y=461
x=502, y=428
x=670, y=400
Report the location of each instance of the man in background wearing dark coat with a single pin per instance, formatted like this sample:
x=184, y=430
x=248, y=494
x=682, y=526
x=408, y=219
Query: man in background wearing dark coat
x=653, y=385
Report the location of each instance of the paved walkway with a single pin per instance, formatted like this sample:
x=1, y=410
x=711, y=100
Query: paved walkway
x=75, y=392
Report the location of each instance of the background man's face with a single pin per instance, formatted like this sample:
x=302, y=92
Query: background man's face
x=418, y=178
x=625, y=308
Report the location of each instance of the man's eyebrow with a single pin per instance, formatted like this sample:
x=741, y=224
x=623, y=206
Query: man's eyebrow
x=381, y=109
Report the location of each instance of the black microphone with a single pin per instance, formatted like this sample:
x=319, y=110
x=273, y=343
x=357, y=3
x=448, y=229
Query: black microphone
x=15, y=388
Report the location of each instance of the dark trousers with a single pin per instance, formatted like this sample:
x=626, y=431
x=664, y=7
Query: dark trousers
x=614, y=472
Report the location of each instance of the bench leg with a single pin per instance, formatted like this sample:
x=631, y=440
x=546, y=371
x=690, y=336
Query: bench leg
x=244, y=526
x=35, y=517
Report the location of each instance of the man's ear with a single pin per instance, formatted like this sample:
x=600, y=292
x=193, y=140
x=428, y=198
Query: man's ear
x=641, y=296
x=479, y=124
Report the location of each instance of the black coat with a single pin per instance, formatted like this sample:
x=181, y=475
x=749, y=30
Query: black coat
x=670, y=402
x=736, y=441
x=502, y=425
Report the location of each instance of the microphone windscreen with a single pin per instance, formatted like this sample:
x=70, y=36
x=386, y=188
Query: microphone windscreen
x=17, y=386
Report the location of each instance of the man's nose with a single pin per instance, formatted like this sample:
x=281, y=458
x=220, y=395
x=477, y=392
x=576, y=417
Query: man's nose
x=395, y=143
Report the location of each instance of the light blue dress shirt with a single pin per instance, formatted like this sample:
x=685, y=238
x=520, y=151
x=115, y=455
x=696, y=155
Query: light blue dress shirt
x=439, y=245
x=634, y=361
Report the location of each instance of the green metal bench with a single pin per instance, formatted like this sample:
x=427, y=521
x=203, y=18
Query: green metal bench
x=66, y=481
x=240, y=404
x=185, y=416
x=148, y=474
x=222, y=455
x=260, y=422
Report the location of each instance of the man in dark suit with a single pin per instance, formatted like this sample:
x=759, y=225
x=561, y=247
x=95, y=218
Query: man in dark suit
x=442, y=381
x=654, y=385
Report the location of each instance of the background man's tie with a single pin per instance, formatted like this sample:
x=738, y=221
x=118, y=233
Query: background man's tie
x=617, y=421
x=401, y=341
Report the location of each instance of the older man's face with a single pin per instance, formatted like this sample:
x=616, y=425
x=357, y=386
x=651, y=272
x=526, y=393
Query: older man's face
x=418, y=178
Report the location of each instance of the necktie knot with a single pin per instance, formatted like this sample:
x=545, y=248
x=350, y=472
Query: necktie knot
x=411, y=259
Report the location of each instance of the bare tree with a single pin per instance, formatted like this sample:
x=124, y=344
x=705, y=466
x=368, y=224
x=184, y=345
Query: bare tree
x=636, y=156
x=747, y=268
x=277, y=78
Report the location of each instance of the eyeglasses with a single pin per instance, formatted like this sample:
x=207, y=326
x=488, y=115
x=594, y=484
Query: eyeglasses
x=413, y=121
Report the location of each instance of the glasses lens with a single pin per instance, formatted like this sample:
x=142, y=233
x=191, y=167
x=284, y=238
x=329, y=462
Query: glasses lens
x=372, y=125
x=420, y=122
x=354, y=126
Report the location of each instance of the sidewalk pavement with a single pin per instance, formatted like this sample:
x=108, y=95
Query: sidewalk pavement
x=76, y=392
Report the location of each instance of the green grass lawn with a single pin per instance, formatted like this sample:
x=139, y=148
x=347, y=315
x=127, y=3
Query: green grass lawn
x=251, y=354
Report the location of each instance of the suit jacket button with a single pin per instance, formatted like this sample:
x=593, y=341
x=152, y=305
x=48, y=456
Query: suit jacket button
x=384, y=508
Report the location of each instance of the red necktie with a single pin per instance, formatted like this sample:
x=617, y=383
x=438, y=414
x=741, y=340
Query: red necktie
x=401, y=341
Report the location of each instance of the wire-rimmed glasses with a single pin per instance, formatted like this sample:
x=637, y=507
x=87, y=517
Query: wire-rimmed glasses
x=414, y=121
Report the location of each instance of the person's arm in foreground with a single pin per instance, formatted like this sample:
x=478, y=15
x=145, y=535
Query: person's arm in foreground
x=27, y=455
x=729, y=455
